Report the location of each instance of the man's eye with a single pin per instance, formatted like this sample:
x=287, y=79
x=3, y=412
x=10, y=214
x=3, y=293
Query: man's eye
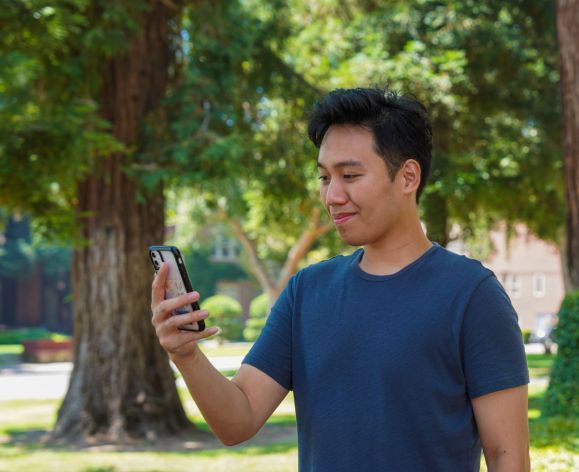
x=323, y=178
x=350, y=176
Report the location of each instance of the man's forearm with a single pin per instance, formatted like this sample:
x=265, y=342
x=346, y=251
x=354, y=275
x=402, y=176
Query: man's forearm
x=504, y=461
x=221, y=402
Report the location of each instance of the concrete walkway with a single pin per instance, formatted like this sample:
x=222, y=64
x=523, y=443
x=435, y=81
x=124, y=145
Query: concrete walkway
x=50, y=381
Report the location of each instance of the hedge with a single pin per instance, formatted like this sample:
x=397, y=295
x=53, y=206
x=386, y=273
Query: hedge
x=562, y=396
x=258, y=311
x=225, y=312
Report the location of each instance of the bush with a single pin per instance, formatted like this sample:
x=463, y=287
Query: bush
x=17, y=336
x=562, y=397
x=226, y=313
x=526, y=335
x=258, y=311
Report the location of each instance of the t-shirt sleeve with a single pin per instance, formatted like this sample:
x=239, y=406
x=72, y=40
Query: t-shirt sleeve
x=493, y=350
x=272, y=351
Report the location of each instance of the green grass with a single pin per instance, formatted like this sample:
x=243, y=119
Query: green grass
x=23, y=421
x=540, y=365
x=554, y=444
x=10, y=354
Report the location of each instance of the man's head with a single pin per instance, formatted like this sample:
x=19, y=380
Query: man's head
x=400, y=125
x=374, y=157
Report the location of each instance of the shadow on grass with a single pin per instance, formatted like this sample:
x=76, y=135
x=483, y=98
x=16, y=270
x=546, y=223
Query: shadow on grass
x=277, y=436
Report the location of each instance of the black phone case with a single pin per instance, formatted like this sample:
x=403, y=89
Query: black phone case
x=184, y=278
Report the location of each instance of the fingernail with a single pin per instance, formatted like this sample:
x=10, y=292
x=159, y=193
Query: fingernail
x=193, y=295
x=203, y=315
x=213, y=330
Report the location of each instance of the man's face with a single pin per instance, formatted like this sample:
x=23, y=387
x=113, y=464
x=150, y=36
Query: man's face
x=364, y=204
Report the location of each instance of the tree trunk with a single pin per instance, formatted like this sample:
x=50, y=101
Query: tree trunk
x=122, y=385
x=568, y=38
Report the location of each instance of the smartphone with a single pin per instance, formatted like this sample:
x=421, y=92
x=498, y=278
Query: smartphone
x=177, y=281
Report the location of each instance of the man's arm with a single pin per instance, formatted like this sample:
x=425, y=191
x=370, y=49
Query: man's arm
x=234, y=409
x=502, y=422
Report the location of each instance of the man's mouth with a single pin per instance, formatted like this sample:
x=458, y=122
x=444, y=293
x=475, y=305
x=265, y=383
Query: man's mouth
x=341, y=218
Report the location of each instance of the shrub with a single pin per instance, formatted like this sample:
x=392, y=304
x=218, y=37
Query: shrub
x=17, y=336
x=562, y=397
x=258, y=311
x=225, y=312
x=526, y=335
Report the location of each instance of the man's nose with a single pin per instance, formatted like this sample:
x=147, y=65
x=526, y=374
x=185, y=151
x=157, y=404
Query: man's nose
x=335, y=193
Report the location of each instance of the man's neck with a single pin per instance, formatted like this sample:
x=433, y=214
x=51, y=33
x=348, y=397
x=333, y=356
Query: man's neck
x=387, y=258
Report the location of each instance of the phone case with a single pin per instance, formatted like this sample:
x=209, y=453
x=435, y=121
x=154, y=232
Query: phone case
x=178, y=282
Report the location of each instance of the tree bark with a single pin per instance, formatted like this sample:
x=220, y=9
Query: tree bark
x=122, y=385
x=568, y=39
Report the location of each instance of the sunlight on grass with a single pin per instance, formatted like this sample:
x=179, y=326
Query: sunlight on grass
x=554, y=443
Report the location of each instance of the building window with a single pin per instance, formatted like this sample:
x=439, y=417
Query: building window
x=225, y=249
x=539, y=285
x=513, y=284
x=516, y=286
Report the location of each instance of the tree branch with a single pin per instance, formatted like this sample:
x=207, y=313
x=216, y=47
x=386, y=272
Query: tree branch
x=301, y=248
x=255, y=263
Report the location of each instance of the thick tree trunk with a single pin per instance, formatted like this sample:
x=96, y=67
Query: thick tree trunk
x=122, y=385
x=568, y=38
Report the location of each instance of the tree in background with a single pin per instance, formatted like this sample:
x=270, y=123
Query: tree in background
x=83, y=78
x=568, y=36
x=487, y=74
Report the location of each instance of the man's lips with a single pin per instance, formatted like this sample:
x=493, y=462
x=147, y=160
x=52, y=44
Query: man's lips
x=341, y=218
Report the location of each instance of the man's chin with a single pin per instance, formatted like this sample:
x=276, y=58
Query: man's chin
x=351, y=240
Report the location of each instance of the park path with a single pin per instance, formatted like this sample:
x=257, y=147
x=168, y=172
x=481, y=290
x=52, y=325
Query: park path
x=50, y=381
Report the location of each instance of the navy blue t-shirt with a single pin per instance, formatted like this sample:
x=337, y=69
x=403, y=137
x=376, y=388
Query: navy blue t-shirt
x=383, y=368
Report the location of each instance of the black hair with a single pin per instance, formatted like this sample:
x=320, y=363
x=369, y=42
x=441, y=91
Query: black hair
x=399, y=123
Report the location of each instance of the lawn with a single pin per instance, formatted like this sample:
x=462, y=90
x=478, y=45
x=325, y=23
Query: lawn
x=540, y=365
x=23, y=423
x=554, y=443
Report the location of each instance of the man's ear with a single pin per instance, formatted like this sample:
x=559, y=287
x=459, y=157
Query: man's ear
x=410, y=173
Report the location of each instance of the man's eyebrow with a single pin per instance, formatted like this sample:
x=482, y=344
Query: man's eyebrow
x=349, y=163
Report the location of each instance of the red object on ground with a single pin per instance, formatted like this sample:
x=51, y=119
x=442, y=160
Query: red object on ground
x=46, y=350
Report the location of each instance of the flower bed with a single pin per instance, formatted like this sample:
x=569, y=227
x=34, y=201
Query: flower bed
x=46, y=350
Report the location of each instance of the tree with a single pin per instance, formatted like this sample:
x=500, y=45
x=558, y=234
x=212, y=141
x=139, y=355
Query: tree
x=486, y=72
x=568, y=37
x=83, y=78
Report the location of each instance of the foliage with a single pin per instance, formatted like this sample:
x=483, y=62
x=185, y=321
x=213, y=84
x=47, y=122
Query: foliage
x=50, y=130
x=562, y=396
x=17, y=336
x=225, y=312
x=486, y=71
x=205, y=274
x=258, y=311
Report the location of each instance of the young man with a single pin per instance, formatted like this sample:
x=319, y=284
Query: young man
x=402, y=356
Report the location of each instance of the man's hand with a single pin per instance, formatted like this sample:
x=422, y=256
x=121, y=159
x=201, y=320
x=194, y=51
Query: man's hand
x=176, y=342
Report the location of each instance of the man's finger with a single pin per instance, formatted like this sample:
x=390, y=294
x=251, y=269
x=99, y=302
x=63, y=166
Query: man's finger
x=158, y=287
x=179, y=321
x=167, y=306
